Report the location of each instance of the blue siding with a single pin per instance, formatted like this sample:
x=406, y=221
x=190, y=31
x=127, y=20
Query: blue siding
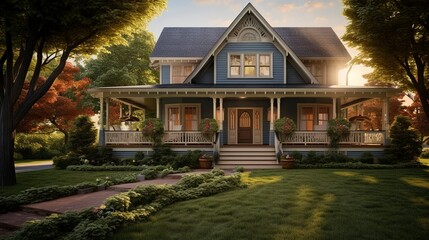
x=222, y=63
x=206, y=75
x=165, y=74
x=292, y=75
x=206, y=105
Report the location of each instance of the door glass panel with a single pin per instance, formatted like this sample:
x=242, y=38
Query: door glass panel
x=323, y=113
x=256, y=121
x=244, y=120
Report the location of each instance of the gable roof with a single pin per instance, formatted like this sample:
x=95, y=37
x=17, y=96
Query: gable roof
x=196, y=42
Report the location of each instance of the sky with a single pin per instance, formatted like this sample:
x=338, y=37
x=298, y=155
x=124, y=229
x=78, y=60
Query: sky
x=278, y=13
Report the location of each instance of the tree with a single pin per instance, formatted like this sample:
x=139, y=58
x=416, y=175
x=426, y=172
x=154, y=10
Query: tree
x=83, y=135
x=35, y=34
x=418, y=119
x=57, y=109
x=393, y=38
x=124, y=64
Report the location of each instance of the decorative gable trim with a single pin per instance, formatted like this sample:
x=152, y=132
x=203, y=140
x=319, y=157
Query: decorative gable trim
x=249, y=30
x=248, y=10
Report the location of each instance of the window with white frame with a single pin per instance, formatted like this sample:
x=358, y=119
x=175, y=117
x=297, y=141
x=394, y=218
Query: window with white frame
x=314, y=117
x=250, y=65
x=182, y=117
x=180, y=73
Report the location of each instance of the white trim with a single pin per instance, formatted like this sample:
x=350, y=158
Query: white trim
x=214, y=69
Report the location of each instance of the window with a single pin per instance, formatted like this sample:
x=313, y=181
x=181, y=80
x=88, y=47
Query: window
x=250, y=65
x=182, y=117
x=180, y=73
x=314, y=117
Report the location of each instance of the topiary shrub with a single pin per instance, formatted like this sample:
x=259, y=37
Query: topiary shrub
x=366, y=157
x=208, y=127
x=82, y=136
x=284, y=127
x=189, y=159
x=153, y=128
x=62, y=162
x=405, y=144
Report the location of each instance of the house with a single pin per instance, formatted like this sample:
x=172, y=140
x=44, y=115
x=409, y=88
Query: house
x=246, y=76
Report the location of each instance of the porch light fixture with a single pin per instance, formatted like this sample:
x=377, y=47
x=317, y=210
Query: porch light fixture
x=242, y=97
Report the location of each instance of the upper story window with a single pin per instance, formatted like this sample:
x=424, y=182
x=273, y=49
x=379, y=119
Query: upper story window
x=250, y=65
x=180, y=73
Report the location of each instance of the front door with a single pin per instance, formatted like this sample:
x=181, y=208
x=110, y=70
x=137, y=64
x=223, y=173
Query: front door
x=245, y=134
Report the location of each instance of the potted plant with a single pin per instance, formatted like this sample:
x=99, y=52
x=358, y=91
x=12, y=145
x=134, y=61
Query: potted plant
x=153, y=129
x=338, y=129
x=284, y=127
x=205, y=161
x=287, y=161
x=208, y=127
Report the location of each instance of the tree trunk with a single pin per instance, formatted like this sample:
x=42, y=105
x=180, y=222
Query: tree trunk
x=7, y=138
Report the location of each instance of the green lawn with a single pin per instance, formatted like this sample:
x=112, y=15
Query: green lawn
x=53, y=177
x=302, y=204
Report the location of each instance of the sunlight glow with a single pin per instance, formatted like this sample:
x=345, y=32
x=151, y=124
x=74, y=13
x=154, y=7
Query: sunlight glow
x=417, y=182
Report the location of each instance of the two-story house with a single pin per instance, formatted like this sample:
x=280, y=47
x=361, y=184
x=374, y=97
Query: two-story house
x=246, y=76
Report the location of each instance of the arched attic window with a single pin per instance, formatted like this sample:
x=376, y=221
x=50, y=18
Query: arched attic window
x=249, y=35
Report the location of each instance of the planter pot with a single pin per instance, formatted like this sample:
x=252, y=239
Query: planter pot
x=205, y=163
x=287, y=163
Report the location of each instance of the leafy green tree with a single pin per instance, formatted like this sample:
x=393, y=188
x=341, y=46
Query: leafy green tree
x=38, y=35
x=124, y=64
x=405, y=142
x=393, y=38
x=82, y=136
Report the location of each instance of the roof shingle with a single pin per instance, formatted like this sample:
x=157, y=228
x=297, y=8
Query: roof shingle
x=196, y=42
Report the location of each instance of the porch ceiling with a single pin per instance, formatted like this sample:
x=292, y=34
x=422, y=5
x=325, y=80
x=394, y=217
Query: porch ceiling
x=135, y=93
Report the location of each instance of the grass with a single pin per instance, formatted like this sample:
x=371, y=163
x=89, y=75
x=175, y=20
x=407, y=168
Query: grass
x=302, y=204
x=53, y=177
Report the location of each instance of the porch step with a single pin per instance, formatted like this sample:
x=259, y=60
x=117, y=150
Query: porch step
x=248, y=157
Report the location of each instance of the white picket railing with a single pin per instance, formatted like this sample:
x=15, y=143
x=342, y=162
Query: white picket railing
x=321, y=137
x=171, y=137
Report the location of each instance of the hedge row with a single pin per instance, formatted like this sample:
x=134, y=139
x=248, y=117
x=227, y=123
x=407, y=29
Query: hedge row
x=125, y=208
x=41, y=194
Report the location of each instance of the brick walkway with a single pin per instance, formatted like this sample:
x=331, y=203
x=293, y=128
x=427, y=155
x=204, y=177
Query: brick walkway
x=14, y=220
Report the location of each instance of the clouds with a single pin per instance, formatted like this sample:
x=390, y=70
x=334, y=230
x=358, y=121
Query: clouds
x=307, y=6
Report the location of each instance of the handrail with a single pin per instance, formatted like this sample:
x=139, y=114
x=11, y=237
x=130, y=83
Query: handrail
x=321, y=137
x=278, y=146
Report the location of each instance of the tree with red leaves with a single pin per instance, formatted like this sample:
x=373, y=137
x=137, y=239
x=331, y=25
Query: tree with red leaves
x=57, y=109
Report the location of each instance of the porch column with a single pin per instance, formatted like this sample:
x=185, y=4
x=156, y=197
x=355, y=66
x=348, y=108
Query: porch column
x=101, y=140
x=214, y=108
x=120, y=110
x=334, y=108
x=272, y=121
x=220, y=114
x=278, y=107
x=107, y=114
x=385, y=119
x=157, y=108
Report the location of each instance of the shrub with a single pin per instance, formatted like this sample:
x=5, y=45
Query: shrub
x=149, y=173
x=162, y=155
x=425, y=154
x=335, y=157
x=105, y=168
x=82, y=136
x=17, y=156
x=284, y=127
x=38, y=146
x=312, y=158
x=338, y=129
x=153, y=128
x=405, y=144
x=239, y=169
x=366, y=157
x=139, y=156
x=208, y=127
x=189, y=159
x=62, y=162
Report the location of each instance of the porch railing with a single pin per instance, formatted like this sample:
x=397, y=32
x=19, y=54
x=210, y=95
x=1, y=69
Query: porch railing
x=321, y=137
x=171, y=137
